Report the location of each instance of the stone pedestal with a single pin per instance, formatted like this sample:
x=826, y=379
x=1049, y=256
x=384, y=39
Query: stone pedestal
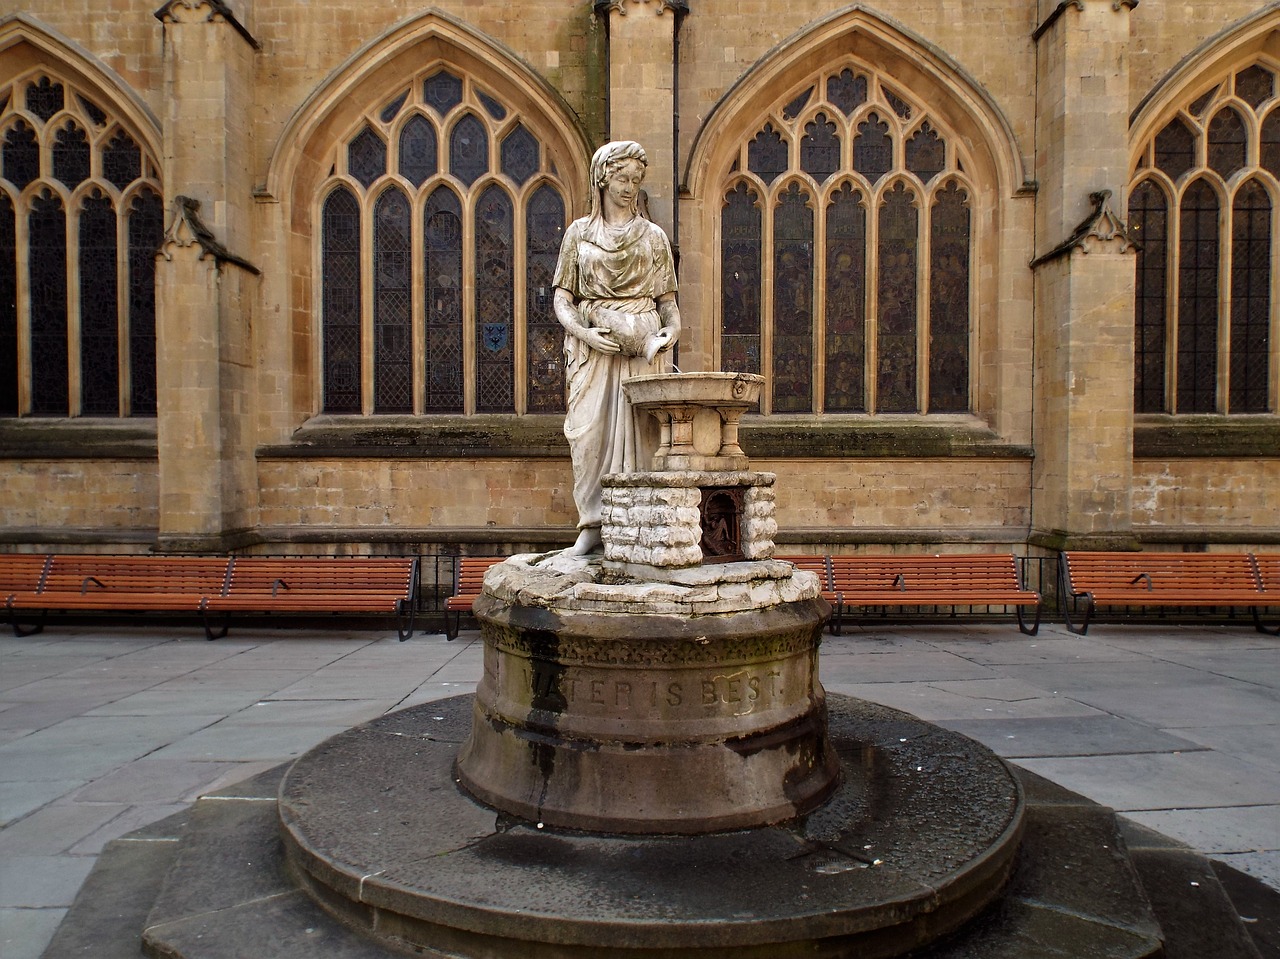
x=650, y=707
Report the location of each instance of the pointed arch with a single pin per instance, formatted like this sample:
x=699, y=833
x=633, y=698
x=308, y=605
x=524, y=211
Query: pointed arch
x=466, y=132
x=376, y=72
x=883, y=44
x=26, y=45
x=1202, y=171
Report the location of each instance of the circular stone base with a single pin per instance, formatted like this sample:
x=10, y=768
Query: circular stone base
x=920, y=836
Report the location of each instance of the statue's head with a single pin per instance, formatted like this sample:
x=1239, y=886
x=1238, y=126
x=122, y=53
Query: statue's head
x=610, y=157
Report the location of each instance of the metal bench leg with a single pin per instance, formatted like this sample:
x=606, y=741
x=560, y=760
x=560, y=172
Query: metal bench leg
x=407, y=631
x=209, y=634
x=452, y=625
x=1262, y=627
x=19, y=631
x=1022, y=621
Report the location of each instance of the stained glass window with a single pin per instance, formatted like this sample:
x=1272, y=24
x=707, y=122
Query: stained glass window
x=21, y=155
x=1197, y=342
x=71, y=156
x=495, y=314
x=1175, y=149
x=820, y=148
x=767, y=154
x=392, y=305
x=418, y=150
x=793, y=302
x=367, y=157
x=846, y=302
x=520, y=155
x=873, y=148
x=460, y=299
x=545, y=351
x=121, y=160
x=469, y=150
x=740, y=281
x=949, y=271
x=1149, y=222
x=47, y=281
x=146, y=231
x=1250, y=299
x=843, y=327
x=896, y=293
x=99, y=309
x=1205, y=286
x=8, y=308
x=442, y=271
x=87, y=306
x=1226, y=143
x=340, y=301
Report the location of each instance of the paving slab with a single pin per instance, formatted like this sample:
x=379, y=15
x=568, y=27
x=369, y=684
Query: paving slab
x=18, y=799
x=927, y=701
x=1162, y=780
x=37, y=882
x=1096, y=735
x=1257, y=744
x=24, y=932
x=1214, y=829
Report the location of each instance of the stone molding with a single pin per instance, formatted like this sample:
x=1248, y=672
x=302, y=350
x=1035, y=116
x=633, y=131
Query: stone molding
x=678, y=7
x=187, y=229
x=1057, y=12
x=1103, y=225
x=174, y=10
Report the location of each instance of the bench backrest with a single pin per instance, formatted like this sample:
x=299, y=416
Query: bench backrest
x=1089, y=572
x=1269, y=571
x=198, y=575
x=391, y=575
x=813, y=563
x=959, y=571
x=468, y=579
x=22, y=572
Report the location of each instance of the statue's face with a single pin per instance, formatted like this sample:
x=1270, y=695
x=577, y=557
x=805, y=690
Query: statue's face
x=623, y=186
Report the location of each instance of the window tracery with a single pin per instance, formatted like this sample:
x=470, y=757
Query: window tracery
x=846, y=252
x=1202, y=206
x=437, y=207
x=77, y=304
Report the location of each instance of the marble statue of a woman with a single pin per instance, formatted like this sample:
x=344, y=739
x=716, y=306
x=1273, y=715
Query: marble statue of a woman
x=615, y=296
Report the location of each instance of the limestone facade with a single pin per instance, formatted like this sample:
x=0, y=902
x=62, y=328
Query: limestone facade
x=1011, y=425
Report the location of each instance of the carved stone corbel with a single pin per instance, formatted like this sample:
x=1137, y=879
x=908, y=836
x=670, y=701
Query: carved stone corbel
x=678, y=7
x=187, y=229
x=1102, y=225
x=177, y=11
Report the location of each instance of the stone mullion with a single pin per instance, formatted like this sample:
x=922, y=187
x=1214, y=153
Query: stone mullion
x=368, y=299
x=470, y=359
x=75, y=310
x=1226, y=253
x=821, y=206
x=769, y=208
x=124, y=321
x=871, y=320
x=418, y=294
x=22, y=290
x=520, y=299
x=924, y=296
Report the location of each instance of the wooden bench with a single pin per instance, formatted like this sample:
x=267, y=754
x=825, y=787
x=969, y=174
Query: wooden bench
x=211, y=586
x=318, y=584
x=958, y=579
x=1268, y=567
x=119, y=583
x=1226, y=580
x=468, y=582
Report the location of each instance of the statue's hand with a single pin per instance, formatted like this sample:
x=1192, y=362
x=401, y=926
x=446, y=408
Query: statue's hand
x=666, y=338
x=598, y=339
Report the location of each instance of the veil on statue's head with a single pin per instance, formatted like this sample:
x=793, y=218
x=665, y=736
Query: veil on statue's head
x=607, y=159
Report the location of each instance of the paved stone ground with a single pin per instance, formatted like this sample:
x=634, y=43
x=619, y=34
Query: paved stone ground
x=103, y=731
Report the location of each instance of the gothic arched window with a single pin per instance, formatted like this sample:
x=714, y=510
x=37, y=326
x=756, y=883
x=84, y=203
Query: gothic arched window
x=441, y=224
x=81, y=220
x=846, y=254
x=1202, y=205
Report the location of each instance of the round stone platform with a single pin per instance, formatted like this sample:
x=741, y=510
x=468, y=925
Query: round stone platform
x=921, y=834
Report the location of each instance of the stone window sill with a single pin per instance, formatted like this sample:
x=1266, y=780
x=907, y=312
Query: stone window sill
x=1164, y=437
x=45, y=438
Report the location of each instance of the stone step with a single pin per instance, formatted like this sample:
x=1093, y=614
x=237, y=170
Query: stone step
x=212, y=883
